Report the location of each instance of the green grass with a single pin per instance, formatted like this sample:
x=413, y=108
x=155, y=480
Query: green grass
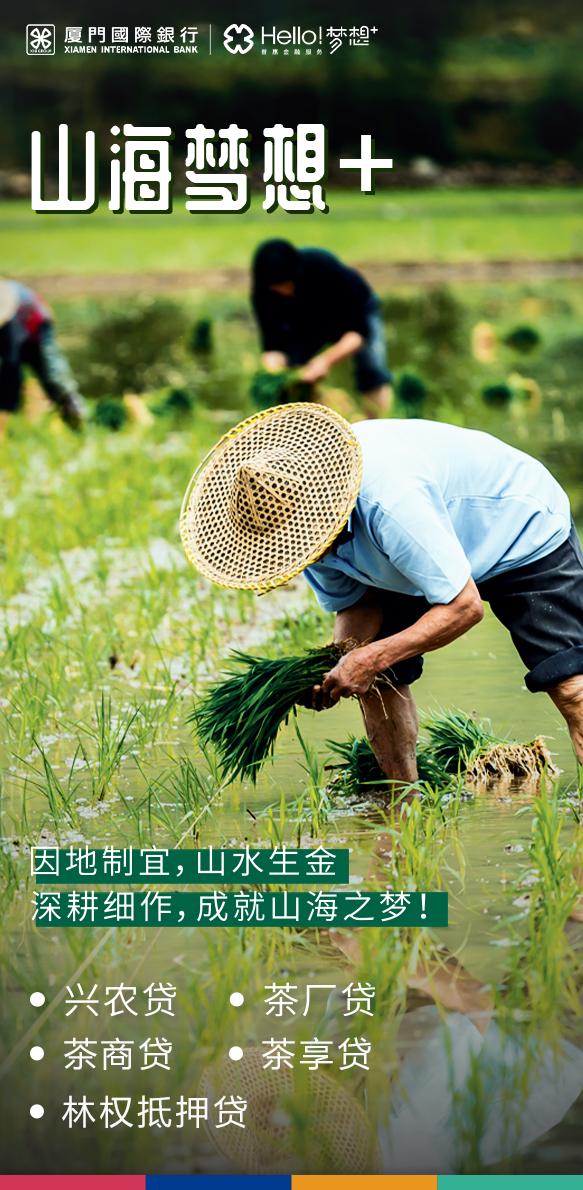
x=391, y=226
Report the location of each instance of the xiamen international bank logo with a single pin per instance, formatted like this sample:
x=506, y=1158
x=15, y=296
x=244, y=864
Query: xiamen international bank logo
x=238, y=39
x=40, y=39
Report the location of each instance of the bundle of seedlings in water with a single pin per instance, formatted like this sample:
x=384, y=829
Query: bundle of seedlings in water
x=110, y=413
x=523, y=339
x=411, y=393
x=456, y=746
x=176, y=402
x=241, y=714
x=460, y=744
x=358, y=771
x=277, y=388
x=497, y=395
x=201, y=340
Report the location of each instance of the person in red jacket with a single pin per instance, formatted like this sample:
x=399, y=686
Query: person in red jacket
x=27, y=339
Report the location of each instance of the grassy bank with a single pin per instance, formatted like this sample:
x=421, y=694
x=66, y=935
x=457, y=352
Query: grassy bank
x=397, y=225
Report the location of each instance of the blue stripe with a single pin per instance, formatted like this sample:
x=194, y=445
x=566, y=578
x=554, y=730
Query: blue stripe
x=217, y=1182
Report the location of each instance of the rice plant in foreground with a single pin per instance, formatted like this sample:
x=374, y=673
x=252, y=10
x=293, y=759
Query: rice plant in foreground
x=359, y=772
x=456, y=745
x=242, y=713
x=461, y=744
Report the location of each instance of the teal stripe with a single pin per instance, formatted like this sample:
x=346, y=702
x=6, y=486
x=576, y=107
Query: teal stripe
x=510, y=1181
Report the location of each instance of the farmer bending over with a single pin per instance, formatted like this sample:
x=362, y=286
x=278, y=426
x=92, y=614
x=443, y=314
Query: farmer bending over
x=27, y=337
x=313, y=311
x=404, y=529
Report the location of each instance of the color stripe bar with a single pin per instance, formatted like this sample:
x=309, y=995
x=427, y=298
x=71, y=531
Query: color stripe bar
x=72, y=1181
x=366, y=1182
x=511, y=1181
x=218, y=1181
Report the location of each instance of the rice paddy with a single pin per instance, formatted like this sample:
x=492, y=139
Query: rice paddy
x=108, y=638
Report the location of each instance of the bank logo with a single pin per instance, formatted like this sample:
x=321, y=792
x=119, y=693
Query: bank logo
x=40, y=39
x=238, y=39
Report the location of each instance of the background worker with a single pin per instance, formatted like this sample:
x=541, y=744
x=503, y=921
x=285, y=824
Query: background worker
x=27, y=339
x=313, y=312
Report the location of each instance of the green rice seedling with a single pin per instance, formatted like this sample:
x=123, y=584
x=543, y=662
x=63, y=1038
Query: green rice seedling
x=498, y=396
x=545, y=972
x=9, y=882
x=177, y=402
x=110, y=414
x=277, y=388
x=456, y=746
x=319, y=804
x=61, y=795
x=523, y=339
x=242, y=713
x=201, y=339
x=193, y=790
x=459, y=743
x=109, y=736
x=411, y=393
x=359, y=771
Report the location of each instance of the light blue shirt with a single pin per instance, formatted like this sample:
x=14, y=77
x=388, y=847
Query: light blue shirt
x=437, y=505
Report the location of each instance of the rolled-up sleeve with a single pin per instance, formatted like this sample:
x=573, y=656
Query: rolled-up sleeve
x=419, y=539
x=334, y=590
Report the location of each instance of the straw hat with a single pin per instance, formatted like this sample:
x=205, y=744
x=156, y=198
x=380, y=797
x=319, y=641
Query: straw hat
x=288, y=1111
x=8, y=301
x=271, y=496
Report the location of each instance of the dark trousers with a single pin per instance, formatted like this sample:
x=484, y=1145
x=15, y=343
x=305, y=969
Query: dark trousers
x=43, y=356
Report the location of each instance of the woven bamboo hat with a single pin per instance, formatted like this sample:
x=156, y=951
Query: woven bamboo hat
x=293, y=1119
x=271, y=496
x=8, y=301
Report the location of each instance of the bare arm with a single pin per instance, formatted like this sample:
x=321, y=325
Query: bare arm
x=443, y=623
x=318, y=367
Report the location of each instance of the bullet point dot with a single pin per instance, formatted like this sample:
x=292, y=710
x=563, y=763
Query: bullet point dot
x=237, y=999
x=37, y=1053
x=235, y=1053
x=37, y=1111
x=37, y=999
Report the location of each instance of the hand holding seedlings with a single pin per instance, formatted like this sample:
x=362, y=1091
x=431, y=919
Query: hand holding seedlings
x=352, y=676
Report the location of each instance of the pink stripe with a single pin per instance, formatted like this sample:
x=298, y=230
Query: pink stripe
x=72, y=1181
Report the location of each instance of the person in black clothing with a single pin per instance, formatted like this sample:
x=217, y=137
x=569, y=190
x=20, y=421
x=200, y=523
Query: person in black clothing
x=27, y=339
x=313, y=311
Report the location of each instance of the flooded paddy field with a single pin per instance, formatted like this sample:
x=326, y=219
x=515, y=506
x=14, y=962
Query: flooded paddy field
x=107, y=637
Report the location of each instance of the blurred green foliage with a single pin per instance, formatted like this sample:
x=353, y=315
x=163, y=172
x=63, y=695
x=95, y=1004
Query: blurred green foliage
x=131, y=348
x=490, y=81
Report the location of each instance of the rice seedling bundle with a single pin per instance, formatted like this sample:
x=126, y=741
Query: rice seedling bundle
x=411, y=392
x=201, y=341
x=177, y=402
x=241, y=714
x=277, y=388
x=456, y=746
x=461, y=744
x=359, y=773
x=523, y=338
x=110, y=413
x=497, y=395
